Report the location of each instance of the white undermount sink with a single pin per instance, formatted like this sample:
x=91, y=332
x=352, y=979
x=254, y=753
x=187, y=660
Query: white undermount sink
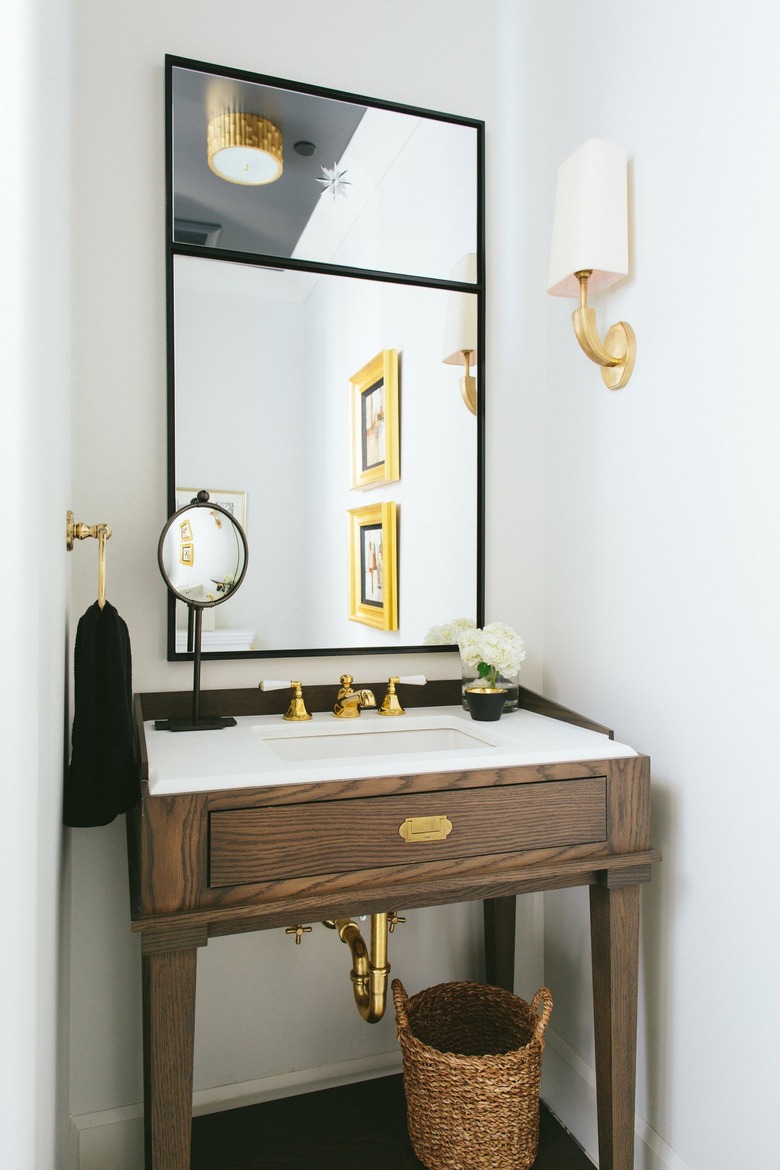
x=380, y=737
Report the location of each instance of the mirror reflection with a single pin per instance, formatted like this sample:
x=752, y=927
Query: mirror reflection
x=202, y=554
x=265, y=169
x=320, y=249
x=276, y=415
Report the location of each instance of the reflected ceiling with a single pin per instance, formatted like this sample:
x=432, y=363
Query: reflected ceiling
x=266, y=220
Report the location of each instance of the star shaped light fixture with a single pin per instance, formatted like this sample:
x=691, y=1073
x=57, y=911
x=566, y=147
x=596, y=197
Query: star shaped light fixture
x=334, y=181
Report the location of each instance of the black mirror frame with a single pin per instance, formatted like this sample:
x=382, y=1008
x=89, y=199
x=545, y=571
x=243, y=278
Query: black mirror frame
x=173, y=249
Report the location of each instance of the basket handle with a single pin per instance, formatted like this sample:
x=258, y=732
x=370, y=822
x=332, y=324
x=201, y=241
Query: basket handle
x=401, y=1001
x=543, y=996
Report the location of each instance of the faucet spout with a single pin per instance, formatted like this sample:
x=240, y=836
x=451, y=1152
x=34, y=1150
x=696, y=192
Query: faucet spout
x=350, y=703
x=369, y=969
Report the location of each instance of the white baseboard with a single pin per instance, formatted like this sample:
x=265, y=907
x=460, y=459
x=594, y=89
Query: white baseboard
x=113, y=1139
x=569, y=1091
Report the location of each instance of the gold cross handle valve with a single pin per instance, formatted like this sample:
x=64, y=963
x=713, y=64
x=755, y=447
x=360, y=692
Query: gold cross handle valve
x=299, y=931
x=393, y=919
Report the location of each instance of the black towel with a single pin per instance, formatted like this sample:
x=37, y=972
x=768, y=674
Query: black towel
x=102, y=780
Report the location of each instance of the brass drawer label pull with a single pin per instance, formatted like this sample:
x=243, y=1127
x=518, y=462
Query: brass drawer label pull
x=425, y=828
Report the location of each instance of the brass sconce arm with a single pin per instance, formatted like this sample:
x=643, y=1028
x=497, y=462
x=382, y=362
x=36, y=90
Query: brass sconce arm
x=617, y=354
x=468, y=383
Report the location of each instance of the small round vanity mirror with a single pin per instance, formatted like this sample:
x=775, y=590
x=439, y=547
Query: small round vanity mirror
x=203, y=556
x=203, y=553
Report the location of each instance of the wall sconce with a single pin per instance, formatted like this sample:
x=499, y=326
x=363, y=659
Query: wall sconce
x=244, y=148
x=590, y=247
x=460, y=330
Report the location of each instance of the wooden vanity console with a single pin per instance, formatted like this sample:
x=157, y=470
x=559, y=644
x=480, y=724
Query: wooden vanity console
x=222, y=862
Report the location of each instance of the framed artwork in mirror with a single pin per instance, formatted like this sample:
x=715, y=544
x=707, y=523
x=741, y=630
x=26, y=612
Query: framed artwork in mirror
x=374, y=422
x=232, y=502
x=373, y=565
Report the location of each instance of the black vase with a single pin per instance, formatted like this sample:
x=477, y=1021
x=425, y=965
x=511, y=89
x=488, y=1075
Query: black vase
x=485, y=703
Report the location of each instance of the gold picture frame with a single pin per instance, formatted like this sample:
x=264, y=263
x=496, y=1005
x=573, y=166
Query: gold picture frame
x=373, y=565
x=374, y=422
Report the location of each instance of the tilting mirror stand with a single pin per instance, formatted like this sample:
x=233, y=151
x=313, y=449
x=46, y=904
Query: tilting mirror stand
x=203, y=557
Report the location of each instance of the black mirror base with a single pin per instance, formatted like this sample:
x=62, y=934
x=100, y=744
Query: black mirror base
x=206, y=723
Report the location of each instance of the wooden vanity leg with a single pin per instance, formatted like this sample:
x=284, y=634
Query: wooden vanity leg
x=614, y=921
x=499, y=917
x=169, y=1049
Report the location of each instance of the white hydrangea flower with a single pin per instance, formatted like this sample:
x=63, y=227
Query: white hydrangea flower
x=470, y=644
x=506, y=649
x=449, y=634
x=495, y=650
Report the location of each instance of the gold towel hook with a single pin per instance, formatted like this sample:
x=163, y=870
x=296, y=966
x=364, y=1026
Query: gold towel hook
x=102, y=533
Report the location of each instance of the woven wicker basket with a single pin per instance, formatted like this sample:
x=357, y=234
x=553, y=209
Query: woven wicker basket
x=472, y=1057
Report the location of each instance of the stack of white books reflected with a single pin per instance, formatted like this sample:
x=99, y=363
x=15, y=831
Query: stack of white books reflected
x=219, y=641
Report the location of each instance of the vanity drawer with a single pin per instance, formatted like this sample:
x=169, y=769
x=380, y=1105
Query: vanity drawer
x=300, y=840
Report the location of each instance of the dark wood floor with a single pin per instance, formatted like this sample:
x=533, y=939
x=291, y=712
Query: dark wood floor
x=355, y=1127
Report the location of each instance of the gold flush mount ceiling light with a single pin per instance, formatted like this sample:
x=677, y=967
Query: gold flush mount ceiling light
x=244, y=148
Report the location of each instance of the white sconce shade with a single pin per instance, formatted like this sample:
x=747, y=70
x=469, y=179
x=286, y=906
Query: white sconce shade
x=460, y=328
x=591, y=219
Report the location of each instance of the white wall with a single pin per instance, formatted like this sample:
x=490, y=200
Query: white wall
x=407, y=52
x=241, y=424
x=662, y=567
x=35, y=458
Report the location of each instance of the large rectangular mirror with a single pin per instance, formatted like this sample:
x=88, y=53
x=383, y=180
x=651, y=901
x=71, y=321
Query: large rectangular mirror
x=325, y=273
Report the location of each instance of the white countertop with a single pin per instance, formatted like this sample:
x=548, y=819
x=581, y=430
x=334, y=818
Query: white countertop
x=240, y=756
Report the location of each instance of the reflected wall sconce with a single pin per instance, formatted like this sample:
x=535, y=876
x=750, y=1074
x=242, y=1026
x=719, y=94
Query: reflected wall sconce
x=590, y=248
x=244, y=148
x=460, y=330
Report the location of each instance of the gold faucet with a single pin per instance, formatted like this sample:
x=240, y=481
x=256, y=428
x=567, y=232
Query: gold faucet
x=350, y=703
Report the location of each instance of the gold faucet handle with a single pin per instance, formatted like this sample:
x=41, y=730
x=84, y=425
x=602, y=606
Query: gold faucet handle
x=297, y=709
x=299, y=931
x=391, y=704
x=393, y=919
